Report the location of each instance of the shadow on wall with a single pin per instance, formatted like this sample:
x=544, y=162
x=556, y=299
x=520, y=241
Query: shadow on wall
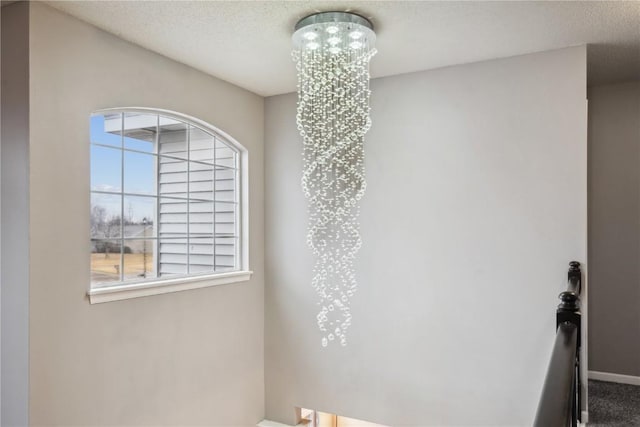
x=613, y=56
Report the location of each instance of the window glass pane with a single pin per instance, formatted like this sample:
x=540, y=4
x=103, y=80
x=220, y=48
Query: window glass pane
x=163, y=199
x=172, y=171
x=105, y=216
x=140, y=131
x=106, y=167
x=106, y=129
x=173, y=229
x=173, y=256
x=225, y=156
x=139, y=255
x=173, y=217
x=201, y=259
x=139, y=216
x=173, y=138
x=225, y=253
x=201, y=211
x=225, y=185
x=172, y=177
x=105, y=262
x=200, y=218
x=201, y=181
x=139, y=173
x=201, y=145
x=225, y=219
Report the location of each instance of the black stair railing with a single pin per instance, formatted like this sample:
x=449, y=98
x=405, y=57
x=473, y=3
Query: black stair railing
x=559, y=404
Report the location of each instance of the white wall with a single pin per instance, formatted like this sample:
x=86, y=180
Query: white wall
x=14, y=370
x=614, y=228
x=186, y=358
x=476, y=202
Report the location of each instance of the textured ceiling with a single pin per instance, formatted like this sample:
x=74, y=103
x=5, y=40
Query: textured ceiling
x=249, y=42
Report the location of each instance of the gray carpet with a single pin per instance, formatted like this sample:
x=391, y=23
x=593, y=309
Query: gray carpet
x=612, y=404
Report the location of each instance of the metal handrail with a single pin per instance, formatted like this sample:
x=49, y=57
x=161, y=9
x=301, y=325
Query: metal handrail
x=560, y=404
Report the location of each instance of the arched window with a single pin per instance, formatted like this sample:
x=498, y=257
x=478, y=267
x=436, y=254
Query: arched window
x=166, y=203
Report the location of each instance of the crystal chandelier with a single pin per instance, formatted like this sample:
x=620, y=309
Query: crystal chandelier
x=332, y=51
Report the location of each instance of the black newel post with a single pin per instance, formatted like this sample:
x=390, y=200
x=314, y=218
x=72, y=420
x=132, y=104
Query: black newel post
x=568, y=312
x=560, y=401
x=569, y=307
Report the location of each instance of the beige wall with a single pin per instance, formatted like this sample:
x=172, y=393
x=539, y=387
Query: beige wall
x=186, y=358
x=476, y=201
x=614, y=228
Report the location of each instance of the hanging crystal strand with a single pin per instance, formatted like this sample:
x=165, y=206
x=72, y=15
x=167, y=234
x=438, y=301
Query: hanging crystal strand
x=332, y=61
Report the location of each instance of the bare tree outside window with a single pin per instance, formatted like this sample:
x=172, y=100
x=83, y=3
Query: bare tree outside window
x=105, y=229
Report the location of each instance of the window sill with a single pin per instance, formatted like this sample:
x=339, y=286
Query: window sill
x=157, y=287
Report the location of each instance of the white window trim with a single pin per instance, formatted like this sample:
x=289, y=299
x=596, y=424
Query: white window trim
x=165, y=286
x=124, y=291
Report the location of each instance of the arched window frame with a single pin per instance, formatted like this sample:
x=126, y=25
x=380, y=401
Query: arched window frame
x=126, y=290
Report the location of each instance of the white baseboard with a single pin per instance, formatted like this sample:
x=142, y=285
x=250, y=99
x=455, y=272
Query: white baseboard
x=614, y=378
